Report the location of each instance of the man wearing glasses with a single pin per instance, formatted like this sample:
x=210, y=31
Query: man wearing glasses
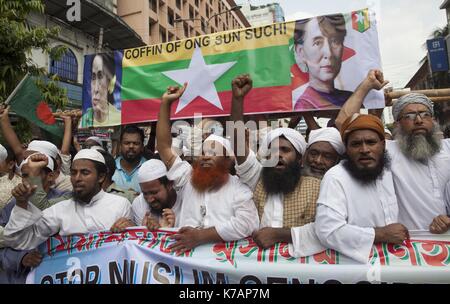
x=420, y=165
x=420, y=160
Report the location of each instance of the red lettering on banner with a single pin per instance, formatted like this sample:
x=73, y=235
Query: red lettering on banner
x=81, y=243
x=403, y=252
x=250, y=248
x=225, y=251
x=283, y=251
x=434, y=253
x=328, y=256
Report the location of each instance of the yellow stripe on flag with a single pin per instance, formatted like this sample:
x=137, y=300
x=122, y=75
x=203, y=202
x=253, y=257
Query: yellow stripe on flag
x=215, y=44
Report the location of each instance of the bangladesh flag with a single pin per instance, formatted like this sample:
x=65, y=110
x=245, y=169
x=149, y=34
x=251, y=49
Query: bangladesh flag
x=208, y=64
x=27, y=102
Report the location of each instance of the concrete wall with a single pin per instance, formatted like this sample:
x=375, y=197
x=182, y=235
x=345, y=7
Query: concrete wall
x=78, y=42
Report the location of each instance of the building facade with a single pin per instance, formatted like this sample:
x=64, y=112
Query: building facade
x=160, y=21
x=263, y=14
x=99, y=30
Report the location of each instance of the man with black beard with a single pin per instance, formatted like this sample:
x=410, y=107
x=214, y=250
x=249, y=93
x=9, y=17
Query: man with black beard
x=130, y=159
x=158, y=205
x=89, y=210
x=357, y=206
x=284, y=198
x=215, y=206
x=420, y=160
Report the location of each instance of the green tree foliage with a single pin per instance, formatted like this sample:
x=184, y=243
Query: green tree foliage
x=17, y=40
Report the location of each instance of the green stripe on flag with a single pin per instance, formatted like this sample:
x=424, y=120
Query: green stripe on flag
x=267, y=64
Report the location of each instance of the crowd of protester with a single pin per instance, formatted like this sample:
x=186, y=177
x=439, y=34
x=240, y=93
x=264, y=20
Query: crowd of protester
x=345, y=187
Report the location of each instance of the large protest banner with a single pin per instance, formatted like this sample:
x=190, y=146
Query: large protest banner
x=303, y=65
x=139, y=256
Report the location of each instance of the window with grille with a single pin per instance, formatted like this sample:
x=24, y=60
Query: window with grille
x=170, y=16
x=66, y=68
x=191, y=12
x=186, y=30
x=152, y=5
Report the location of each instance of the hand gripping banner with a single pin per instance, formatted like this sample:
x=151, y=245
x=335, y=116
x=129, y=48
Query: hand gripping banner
x=139, y=256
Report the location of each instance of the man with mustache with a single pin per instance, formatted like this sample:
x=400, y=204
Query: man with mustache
x=357, y=206
x=89, y=210
x=130, y=159
x=284, y=194
x=158, y=205
x=323, y=151
x=420, y=159
x=215, y=206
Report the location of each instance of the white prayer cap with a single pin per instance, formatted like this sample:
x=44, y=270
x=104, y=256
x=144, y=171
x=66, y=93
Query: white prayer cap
x=44, y=147
x=90, y=154
x=96, y=139
x=98, y=148
x=294, y=137
x=50, y=164
x=223, y=141
x=386, y=130
x=3, y=153
x=330, y=135
x=151, y=170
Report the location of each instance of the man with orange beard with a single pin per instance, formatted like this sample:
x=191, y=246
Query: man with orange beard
x=215, y=206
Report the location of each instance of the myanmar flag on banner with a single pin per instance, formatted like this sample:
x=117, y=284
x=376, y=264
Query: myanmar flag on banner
x=27, y=102
x=361, y=20
x=208, y=64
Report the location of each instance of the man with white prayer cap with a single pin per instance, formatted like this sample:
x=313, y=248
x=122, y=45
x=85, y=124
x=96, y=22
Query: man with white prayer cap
x=158, y=205
x=215, y=206
x=324, y=151
x=44, y=147
x=420, y=159
x=89, y=210
x=284, y=197
x=92, y=141
x=61, y=182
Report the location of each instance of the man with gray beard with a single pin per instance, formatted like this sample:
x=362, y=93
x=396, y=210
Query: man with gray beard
x=420, y=161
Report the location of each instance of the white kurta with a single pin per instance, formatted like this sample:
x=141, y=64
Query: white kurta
x=419, y=187
x=27, y=228
x=447, y=197
x=348, y=212
x=229, y=209
x=140, y=207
